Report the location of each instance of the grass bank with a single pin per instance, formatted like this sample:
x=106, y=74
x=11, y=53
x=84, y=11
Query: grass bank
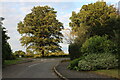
x=112, y=73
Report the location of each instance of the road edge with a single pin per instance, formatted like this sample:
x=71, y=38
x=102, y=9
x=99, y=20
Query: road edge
x=58, y=73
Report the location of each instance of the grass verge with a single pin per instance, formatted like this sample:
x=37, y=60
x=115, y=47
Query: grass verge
x=9, y=62
x=112, y=73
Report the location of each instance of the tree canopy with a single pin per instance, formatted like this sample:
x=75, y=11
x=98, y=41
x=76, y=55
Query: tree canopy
x=95, y=19
x=40, y=30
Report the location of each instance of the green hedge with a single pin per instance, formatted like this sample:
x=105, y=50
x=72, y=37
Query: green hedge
x=74, y=51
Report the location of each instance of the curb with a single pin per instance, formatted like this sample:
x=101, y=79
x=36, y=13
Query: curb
x=59, y=74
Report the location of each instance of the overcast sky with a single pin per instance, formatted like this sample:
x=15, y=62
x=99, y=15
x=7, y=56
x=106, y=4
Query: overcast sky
x=15, y=10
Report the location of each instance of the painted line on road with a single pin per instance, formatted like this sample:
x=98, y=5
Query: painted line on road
x=33, y=65
x=37, y=63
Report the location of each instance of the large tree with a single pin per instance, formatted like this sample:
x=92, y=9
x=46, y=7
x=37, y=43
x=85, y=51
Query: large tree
x=41, y=30
x=95, y=19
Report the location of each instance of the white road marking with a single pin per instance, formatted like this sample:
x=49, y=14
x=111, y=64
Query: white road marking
x=43, y=60
x=52, y=59
x=33, y=65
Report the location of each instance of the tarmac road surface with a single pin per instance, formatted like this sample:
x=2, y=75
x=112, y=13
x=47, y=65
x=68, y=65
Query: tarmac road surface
x=39, y=68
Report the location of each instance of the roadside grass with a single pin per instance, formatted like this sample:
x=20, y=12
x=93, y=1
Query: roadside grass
x=112, y=73
x=9, y=62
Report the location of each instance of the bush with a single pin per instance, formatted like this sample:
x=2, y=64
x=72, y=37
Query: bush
x=74, y=51
x=56, y=54
x=29, y=55
x=98, y=44
x=37, y=55
x=74, y=64
x=98, y=61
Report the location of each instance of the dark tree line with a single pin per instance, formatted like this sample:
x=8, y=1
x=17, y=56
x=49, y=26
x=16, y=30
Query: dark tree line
x=6, y=48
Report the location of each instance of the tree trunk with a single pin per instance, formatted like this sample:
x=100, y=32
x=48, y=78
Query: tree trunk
x=42, y=53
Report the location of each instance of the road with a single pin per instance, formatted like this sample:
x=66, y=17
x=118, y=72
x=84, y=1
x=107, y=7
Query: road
x=39, y=68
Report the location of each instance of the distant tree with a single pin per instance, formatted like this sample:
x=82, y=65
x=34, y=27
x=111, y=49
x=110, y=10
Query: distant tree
x=19, y=53
x=40, y=30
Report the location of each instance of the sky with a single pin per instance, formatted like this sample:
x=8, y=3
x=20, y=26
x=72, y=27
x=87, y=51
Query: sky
x=14, y=11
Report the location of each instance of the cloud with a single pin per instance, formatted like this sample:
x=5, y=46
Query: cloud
x=1, y=11
x=15, y=43
x=65, y=19
x=26, y=10
x=64, y=47
x=57, y=0
x=77, y=10
x=12, y=17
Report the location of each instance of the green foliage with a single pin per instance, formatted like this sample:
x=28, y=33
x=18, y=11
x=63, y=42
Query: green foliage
x=74, y=51
x=19, y=53
x=74, y=63
x=97, y=26
x=37, y=55
x=7, y=52
x=94, y=62
x=97, y=44
x=95, y=19
x=6, y=49
x=56, y=54
x=29, y=55
x=98, y=61
x=9, y=62
x=40, y=30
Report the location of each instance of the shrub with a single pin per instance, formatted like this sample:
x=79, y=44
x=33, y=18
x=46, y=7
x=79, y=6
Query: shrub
x=37, y=55
x=29, y=55
x=98, y=44
x=74, y=63
x=56, y=54
x=74, y=51
x=98, y=61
